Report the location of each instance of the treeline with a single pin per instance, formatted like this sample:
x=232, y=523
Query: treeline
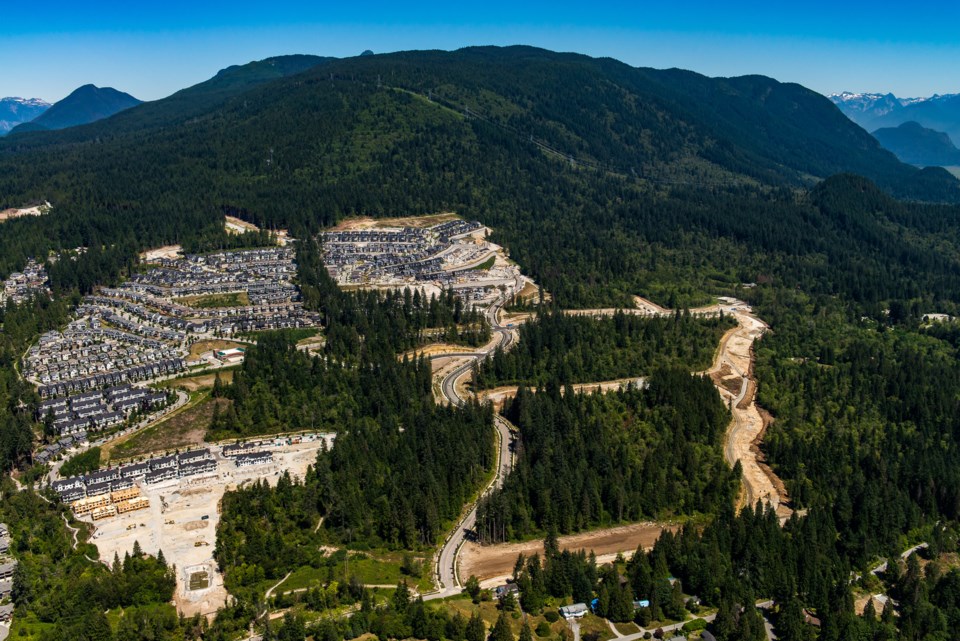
x=216, y=238
x=584, y=460
x=582, y=349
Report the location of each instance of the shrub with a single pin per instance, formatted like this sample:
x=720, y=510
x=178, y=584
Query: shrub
x=694, y=625
x=543, y=629
x=552, y=616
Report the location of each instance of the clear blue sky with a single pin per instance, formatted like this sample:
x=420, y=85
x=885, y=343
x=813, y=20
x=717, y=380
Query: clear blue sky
x=152, y=49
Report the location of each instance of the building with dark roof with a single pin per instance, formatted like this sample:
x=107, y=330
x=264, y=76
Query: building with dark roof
x=254, y=458
x=96, y=489
x=135, y=470
x=193, y=456
x=159, y=476
x=197, y=467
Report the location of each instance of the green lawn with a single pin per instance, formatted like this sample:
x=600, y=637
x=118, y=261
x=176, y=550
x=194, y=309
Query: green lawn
x=382, y=569
x=487, y=264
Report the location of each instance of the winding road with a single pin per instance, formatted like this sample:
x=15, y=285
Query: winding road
x=446, y=558
x=734, y=354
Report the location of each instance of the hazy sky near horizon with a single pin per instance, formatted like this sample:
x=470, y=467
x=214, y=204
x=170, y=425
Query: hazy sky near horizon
x=153, y=49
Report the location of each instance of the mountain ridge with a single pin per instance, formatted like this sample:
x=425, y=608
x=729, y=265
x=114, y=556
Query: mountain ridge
x=918, y=145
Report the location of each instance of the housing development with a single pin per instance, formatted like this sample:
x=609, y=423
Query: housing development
x=171, y=502
x=141, y=330
x=453, y=255
x=23, y=285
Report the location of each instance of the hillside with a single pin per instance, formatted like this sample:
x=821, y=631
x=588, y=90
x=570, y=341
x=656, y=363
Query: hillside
x=603, y=180
x=192, y=102
x=915, y=144
x=84, y=105
x=14, y=111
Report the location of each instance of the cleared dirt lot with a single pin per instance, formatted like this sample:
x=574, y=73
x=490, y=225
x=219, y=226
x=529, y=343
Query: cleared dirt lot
x=365, y=222
x=498, y=395
x=495, y=561
x=175, y=523
x=167, y=251
x=234, y=225
x=201, y=381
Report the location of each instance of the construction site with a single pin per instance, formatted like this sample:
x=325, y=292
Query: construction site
x=180, y=517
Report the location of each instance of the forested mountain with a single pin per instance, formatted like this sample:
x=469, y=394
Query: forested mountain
x=176, y=109
x=663, y=160
x=84, y=105
x=918, y=145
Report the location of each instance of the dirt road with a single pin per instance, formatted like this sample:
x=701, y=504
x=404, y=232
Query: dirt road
x=732, y=373
x=488, y=562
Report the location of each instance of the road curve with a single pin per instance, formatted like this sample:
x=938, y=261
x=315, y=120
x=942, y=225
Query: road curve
x=446, y=558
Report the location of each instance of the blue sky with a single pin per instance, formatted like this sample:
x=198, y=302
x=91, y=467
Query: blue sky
x=152, y=49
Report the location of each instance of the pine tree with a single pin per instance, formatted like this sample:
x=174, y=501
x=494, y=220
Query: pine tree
x=20, y=590
x=525, y=633
x=501, y=629
x=401, y=597
x=475, y=629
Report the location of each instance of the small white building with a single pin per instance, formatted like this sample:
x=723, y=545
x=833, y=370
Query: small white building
x=575, y=611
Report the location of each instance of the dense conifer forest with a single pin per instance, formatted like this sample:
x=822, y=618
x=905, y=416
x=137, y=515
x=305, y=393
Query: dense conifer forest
x=598, y=459
x=580, y=349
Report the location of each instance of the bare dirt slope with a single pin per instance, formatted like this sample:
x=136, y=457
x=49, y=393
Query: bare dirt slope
x=494, y=561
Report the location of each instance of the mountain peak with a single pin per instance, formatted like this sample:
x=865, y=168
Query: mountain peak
x=873, y=111
x=88, y=103
x=918, y=145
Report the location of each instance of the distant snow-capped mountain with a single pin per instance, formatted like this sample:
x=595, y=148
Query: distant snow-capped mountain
x=14, y=111
x=873, y=111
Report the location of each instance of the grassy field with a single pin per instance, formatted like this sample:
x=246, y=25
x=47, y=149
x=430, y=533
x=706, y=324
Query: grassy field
x=210, y=301
x=185, y=428
x=372, y=569
x=200, y=382
x=29, y=628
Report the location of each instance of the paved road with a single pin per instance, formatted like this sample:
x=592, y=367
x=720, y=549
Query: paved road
x=906, y=554
x=446, y=559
